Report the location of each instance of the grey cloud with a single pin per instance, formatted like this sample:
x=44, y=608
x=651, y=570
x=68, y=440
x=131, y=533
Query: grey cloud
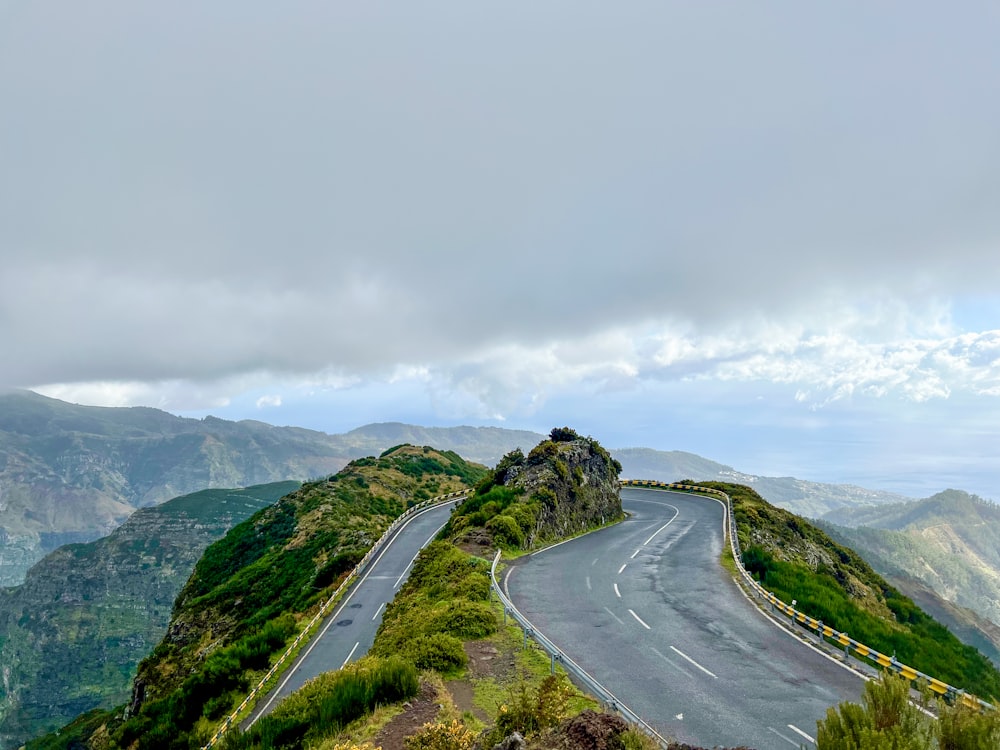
x=191, y=192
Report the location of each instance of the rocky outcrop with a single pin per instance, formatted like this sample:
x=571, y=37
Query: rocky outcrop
x=565, y=485
x=575, y=482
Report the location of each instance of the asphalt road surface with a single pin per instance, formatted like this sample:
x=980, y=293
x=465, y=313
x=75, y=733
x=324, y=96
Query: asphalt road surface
x=349, y=630
x=647, y=610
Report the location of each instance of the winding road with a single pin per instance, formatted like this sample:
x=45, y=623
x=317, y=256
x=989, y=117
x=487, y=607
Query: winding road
x=349, y=630
x=646, y=609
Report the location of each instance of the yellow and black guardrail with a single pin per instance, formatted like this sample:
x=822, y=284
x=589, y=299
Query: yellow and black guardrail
x=327, y=605
x=823, y=631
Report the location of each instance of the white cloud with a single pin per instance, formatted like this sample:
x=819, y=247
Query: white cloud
x=268, y=401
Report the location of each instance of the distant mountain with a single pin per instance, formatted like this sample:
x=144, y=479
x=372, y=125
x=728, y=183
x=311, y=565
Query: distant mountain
x=483, y=445
x=73, y=473
x=75, y=631
x=948, y=543
x=810, y=499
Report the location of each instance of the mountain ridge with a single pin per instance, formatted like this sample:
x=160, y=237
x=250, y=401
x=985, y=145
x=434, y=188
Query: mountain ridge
x=73, y=473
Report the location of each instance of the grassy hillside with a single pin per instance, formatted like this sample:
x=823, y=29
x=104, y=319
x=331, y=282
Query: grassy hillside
x=251, y=591
x=796, y=560
x=74, y=633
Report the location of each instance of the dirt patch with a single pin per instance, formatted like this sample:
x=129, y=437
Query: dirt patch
x=486, y=661
x=420, y=710
x=477, y=543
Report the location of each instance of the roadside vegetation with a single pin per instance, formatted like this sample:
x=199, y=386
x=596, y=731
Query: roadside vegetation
x=797, y=561
x=887, y=720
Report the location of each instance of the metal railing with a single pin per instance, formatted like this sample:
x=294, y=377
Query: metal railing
x=328, y=604
x=557, y=656
x=823, y=632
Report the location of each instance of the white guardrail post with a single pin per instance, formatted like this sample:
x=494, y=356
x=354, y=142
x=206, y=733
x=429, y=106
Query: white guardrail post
x=823, y=632
x=330, y=601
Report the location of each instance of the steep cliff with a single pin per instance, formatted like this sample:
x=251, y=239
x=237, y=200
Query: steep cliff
x=75, y=631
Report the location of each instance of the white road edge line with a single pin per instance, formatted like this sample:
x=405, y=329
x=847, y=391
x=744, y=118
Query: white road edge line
x=801, y=733
x=639, y=620
x=672, y=663
x=350, y=654
x=635, y=553
x=789, y=740
x=681, y=653
x=676, y=513
x=377, y=611
x=405, y=570
x=617, y=592
x=620, y=620
x=624, y=565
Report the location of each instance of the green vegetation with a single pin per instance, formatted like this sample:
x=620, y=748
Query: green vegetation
x=887, y=720
x=444, y=601
x=566, y=484
x=252, y=591
x=327, y=704
x=948, y=544
x=73, y=637
x=796, y=561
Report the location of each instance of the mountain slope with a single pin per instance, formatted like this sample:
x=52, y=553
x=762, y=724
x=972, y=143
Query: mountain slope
x=75, y=631
x=795, y=559
x=948, y=543
x=74, y=473
x=251, y=590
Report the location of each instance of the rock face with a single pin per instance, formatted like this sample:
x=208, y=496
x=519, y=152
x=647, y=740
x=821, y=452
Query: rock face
x=75, y=631
x=575, y=481
x=565, y=485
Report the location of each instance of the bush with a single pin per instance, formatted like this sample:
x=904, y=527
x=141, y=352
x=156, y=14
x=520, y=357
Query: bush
x=329, y=702
x=506, y=532
x=441, y=736
x=563, y=435
x=530, y=711
x=466, y=620
x=438, y=651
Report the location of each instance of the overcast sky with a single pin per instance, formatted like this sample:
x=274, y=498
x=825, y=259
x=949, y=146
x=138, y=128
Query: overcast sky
x=767, y=233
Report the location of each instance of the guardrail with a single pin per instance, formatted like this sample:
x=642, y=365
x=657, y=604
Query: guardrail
x=330, y=601
x=596, y=688
x=824, y=632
